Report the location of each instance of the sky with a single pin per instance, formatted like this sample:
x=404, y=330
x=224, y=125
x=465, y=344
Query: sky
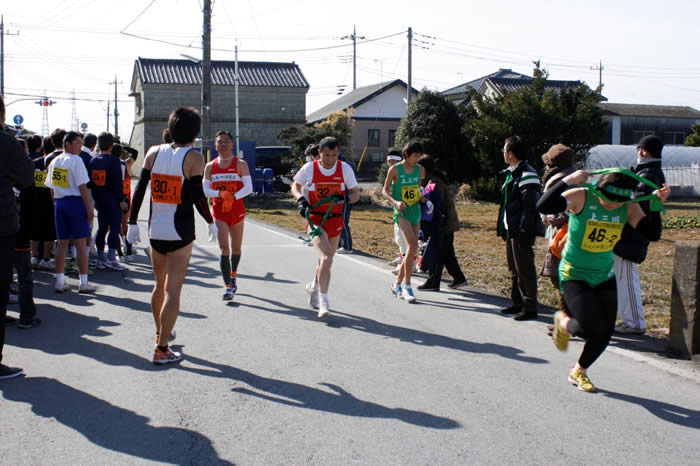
x=648, y=49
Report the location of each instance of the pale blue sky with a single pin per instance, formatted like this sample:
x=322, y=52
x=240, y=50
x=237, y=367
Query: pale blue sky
x=649, y=49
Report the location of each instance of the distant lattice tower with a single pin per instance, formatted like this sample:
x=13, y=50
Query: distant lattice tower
x=45, y=103
x=75, y=124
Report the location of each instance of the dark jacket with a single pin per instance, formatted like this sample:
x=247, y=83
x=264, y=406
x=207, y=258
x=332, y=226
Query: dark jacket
x=520, y=195
x=632, y=245
x=105, y=173
x=16, y=168
x=433, y=231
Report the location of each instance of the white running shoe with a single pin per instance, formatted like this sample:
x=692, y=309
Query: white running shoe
x=396, y=289
x=87, y=288
x=35, y=262
x=62, y=289
x=407, y=294
x=114, y=265
x=323, y=309
x=313, y=295
x=46, y=264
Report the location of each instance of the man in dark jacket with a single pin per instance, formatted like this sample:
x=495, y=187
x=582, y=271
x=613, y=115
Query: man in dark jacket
x=632, y=247
x=518, y=225
x=15, y=169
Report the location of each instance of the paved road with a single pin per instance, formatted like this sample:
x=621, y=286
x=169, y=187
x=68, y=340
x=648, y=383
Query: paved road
x=445, y=381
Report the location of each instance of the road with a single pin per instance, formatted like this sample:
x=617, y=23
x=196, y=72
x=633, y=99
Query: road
x=447, y=380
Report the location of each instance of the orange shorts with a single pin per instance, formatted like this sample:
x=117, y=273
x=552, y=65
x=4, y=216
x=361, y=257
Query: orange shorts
x=333, y=226
x=232, y=217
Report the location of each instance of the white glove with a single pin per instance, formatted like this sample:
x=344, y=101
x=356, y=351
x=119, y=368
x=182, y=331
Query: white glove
x=213, y=232
x=132, y=234
x=429, y=205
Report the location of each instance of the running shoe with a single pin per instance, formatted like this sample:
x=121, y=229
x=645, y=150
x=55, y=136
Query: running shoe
x=323, y=309
x=7, y=372
x=228, y=294
x=458, y=284
x=629, y=330
x=101, y=265
x=343, y=251
x=581, y=380
x=396, y=289
x=313, y=295
x=87, y=288
x=396, y=261
x=45, y=264
x=559, y=335
x=93, y=262
x=166, y=357
x=63, y=288
x=29, y=324
x=35, y=262
x=407, y=294
x=234, y=287
x=114, y=265
x=129, y=258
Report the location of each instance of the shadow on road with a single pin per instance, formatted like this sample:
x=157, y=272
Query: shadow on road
x=110, y=426
x=337, y=400
x=409, y=335
x=671, y=413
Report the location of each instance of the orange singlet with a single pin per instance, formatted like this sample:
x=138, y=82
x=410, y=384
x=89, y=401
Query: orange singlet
x=229, y=180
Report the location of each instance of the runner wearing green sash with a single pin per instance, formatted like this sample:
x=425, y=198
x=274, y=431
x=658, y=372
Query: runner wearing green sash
x=402, y=189
x=598, y=213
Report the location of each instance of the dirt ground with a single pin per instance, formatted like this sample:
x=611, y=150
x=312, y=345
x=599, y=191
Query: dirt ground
x=481, y=253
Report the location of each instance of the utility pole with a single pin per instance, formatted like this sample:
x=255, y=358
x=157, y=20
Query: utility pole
x=2, y=53
x=108, y=102
x=236, y=84
x=410, y=64
x=206, y=78
x=75, y=124
x=116, y=111
x=600, y=69
x=354, y=38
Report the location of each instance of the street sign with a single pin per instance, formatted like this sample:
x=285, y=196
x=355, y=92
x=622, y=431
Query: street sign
x=18, y=119
x=83, y=126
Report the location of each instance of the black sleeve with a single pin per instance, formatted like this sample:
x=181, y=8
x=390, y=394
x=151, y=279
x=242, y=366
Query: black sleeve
x=139, y=194
x=199, y=199
x=552, y=202
x=530, y=194
x=133, y=153
x=650, y=226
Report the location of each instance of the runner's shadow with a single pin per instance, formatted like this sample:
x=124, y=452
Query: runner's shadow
x=110, y=426
x=409, y=335
x=671, y=413
x=337, y=400
x=268, y=277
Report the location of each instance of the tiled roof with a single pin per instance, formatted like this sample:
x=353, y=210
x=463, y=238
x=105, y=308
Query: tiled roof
x=509, y=85
x=270, y=74
x=662, y=111
x=353, y=98
x=505, y=73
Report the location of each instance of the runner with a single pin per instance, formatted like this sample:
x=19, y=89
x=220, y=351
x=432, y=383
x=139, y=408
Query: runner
x=176, y=174
x=586, y=272
x=327, y=181
x=129, y=156
x=227, y=180
x=402, y=188
x=68, y=178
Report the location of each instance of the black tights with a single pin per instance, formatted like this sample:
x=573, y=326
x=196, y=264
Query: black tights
x=593, y=312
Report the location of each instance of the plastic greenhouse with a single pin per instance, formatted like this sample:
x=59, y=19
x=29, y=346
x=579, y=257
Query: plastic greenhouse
x=681, y=165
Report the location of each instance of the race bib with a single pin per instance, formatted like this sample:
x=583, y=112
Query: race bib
x=410, y=194
x=126, y=187
x=323, y=190
x=60, y=178
x=99, y=177
x=166, y=189
x=40, y=178
x=601, y=236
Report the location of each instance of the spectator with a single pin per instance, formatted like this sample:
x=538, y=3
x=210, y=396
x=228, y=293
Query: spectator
x=517, y=225
x=345, y=244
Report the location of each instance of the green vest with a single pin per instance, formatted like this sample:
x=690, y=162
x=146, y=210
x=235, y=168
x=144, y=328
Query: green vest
x=588, y=253
x=407, y=189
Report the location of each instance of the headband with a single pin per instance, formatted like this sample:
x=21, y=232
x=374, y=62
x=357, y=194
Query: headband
x=655, y=204
x=393, y=157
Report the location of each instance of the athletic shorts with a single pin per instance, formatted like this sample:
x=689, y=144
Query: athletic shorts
x=232, y=217
x=71, y=218
x=333, y=226
x=412, y=214
x=165, y=246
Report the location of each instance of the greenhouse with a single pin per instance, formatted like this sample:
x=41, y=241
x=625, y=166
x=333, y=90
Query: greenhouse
x=681, y=165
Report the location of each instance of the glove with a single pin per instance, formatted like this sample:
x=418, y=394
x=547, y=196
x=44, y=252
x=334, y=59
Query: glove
x=213, y=232
x=339, y=198
x=228, y=200
x=429, y=206
x=132, y=234
x=302, y=206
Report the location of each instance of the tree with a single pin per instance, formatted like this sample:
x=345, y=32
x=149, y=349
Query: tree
x=338, y=125
x=541, y=117
x=434, y=120
x=693, y=138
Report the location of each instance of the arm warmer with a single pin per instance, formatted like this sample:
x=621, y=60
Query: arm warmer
x=208, y=191
x=246, y=189
x=552, y=201
x=199, y=199
x=139, y=193
x=133, y=153
x=650, y=226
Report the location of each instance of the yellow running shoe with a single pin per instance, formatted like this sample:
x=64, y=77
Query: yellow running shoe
x=581, y=380
x=559, y=335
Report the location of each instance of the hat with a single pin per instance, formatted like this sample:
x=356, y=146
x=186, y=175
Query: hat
x=651, y=144
x=559, y=155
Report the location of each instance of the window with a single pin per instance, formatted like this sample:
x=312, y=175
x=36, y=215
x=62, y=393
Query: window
x=137, y=101
x=674, y=137
x=372, y=137
x=376, y=156
x=638, y=135
x=392, y=138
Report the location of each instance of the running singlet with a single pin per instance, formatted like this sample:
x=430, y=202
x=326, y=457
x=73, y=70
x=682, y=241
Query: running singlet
x=227, y=179
x=588, y=253
x=172, y=212
x=407, y=190
x=126, y=183
x=322, y=186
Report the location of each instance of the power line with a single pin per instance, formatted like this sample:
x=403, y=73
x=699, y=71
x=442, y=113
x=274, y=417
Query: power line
x=138, y=16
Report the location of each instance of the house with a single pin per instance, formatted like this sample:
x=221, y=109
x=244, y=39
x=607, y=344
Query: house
x=272, y=96
x=496, y=84
x=377, y=111
x=628, y=123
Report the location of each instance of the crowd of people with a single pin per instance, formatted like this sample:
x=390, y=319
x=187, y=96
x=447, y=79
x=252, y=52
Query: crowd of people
x=51, y=188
